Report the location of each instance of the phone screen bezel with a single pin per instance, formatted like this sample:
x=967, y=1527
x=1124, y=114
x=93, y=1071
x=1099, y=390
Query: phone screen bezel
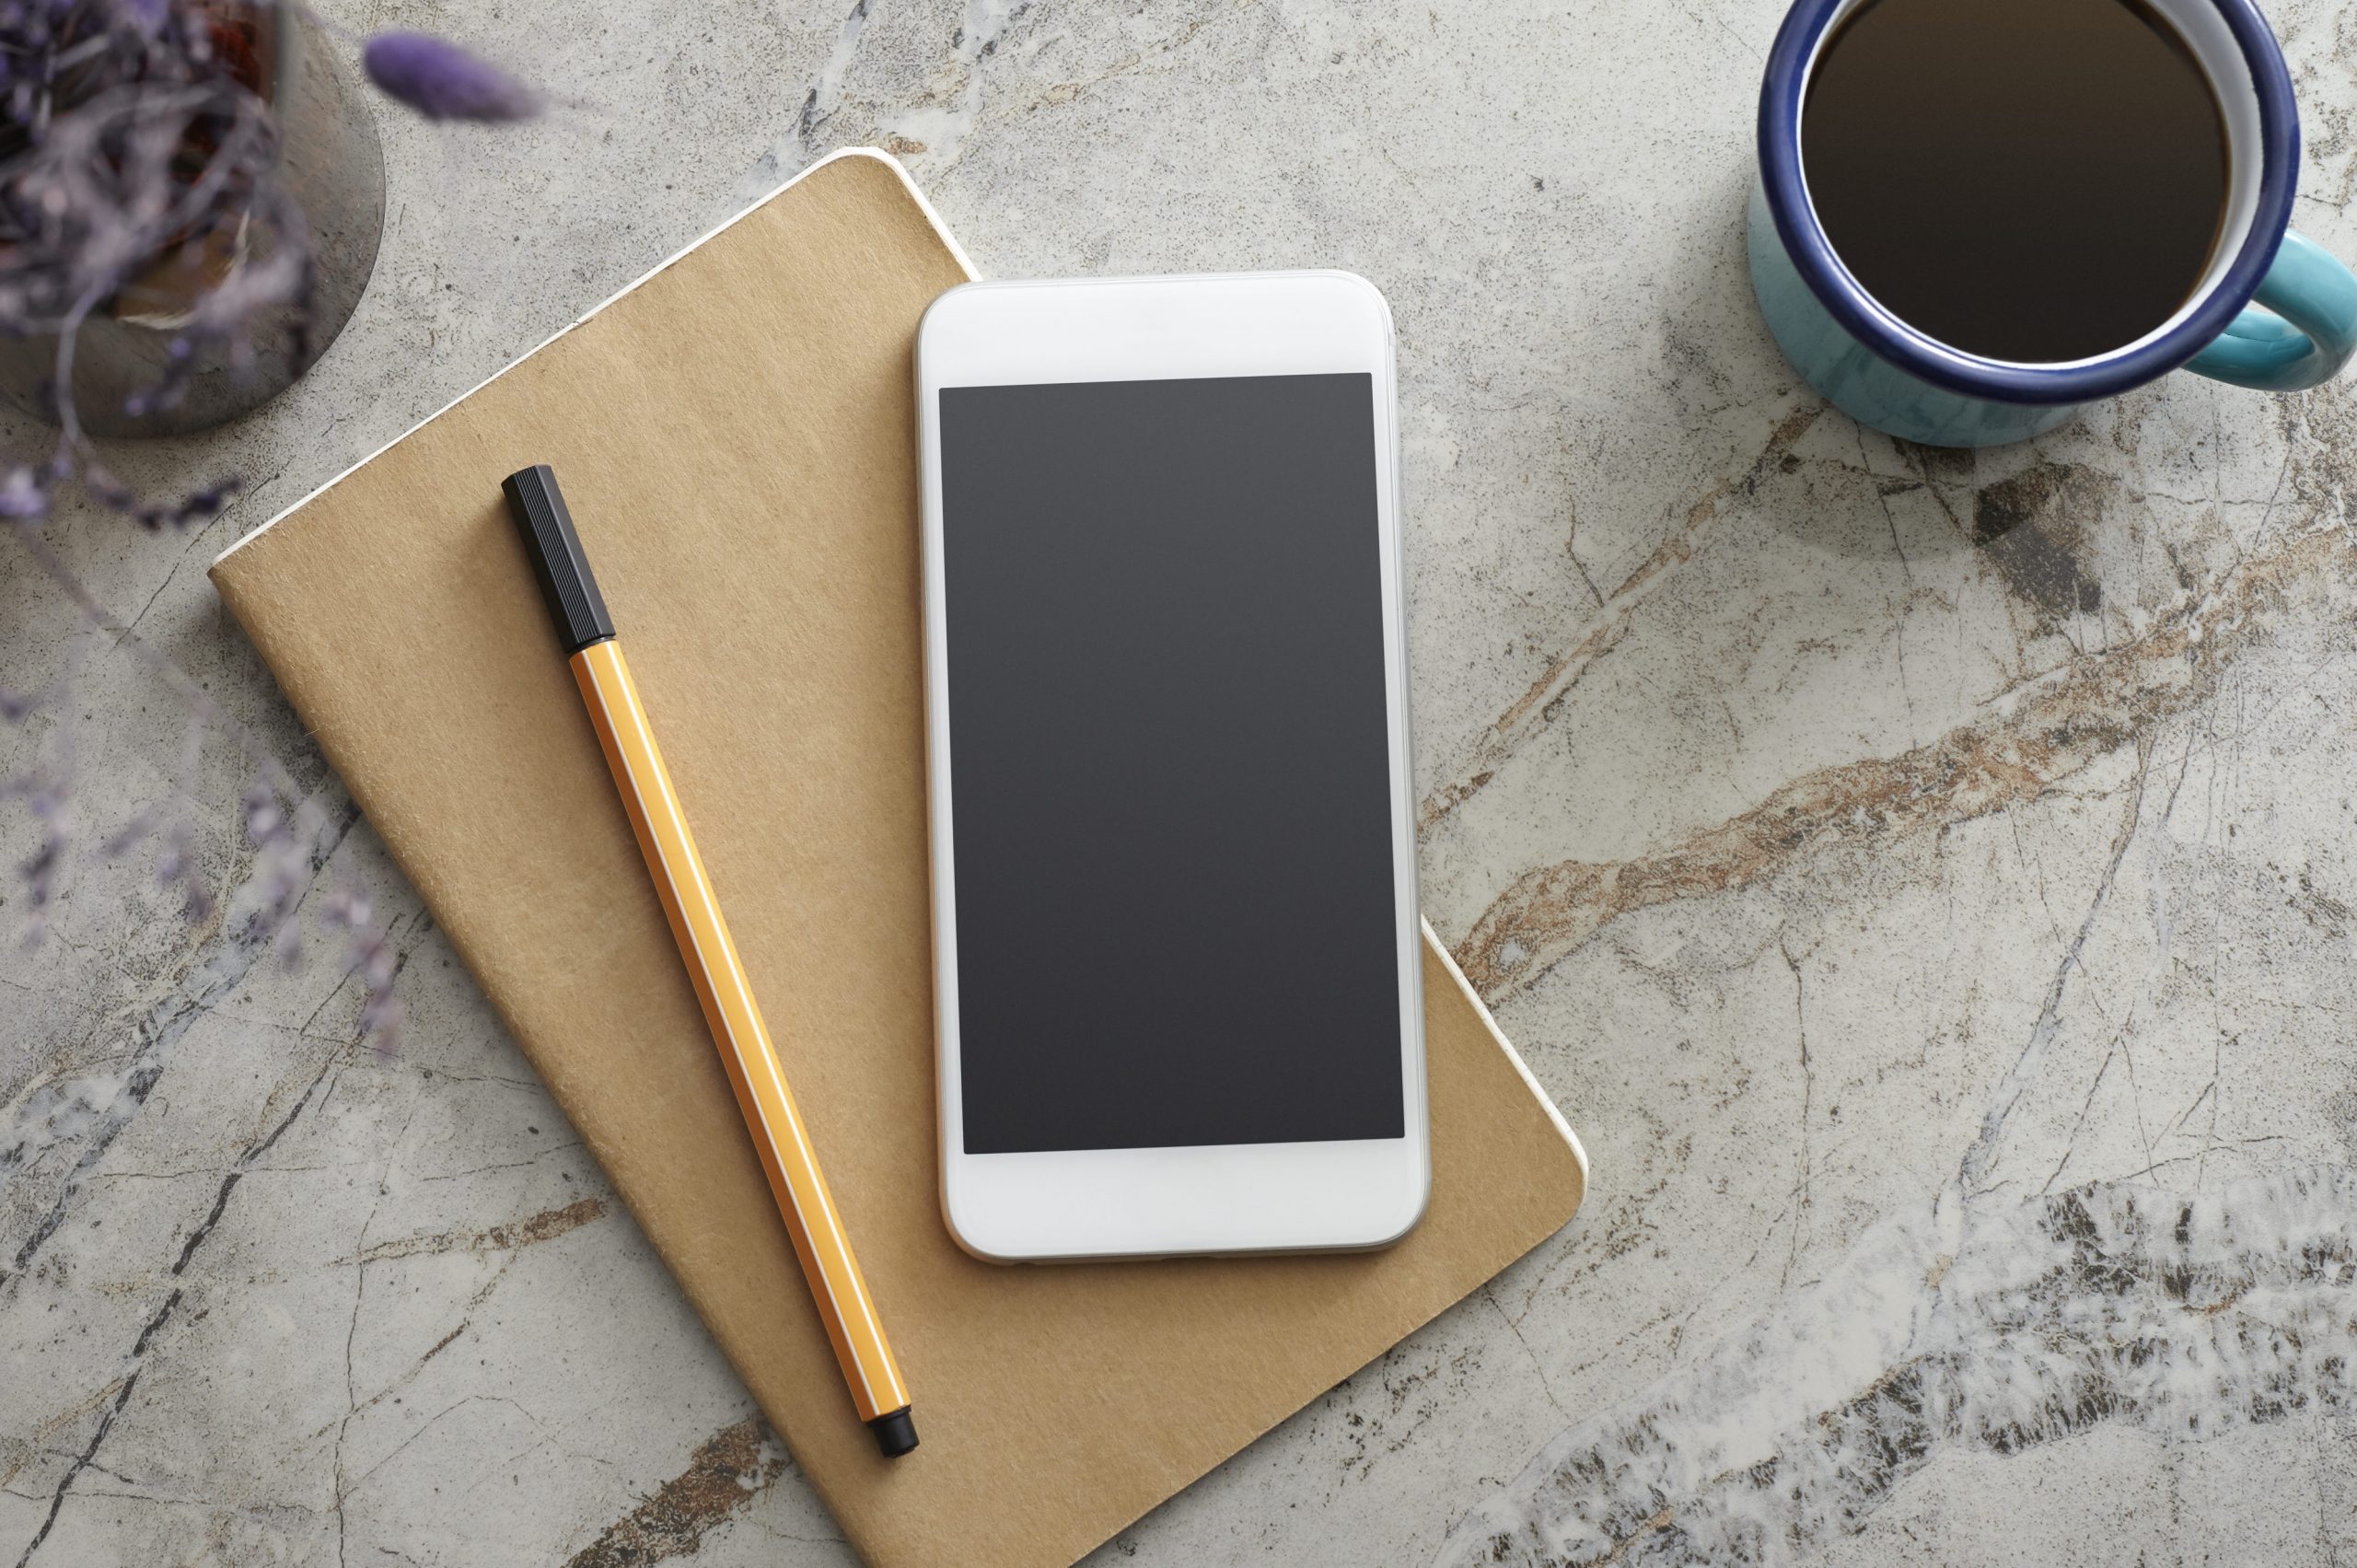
x=1246, y=1197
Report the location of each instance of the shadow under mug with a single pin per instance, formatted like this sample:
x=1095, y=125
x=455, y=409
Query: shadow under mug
x=2273, y=310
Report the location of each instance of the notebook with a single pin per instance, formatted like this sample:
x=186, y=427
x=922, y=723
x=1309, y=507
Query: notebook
x=737, y=437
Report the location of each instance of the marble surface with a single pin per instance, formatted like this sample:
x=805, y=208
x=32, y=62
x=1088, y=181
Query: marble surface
x=1923, y=879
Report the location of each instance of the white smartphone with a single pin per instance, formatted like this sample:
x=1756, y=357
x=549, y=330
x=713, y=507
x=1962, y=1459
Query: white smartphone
x=1175, y=960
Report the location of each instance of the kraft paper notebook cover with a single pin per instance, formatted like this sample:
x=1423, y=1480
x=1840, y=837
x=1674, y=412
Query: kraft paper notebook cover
x=736, y=436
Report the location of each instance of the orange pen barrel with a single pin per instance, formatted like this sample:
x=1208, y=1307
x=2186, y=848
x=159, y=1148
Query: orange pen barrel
x=721, y=986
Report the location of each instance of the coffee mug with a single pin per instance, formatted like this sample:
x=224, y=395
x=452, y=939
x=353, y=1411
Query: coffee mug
x=2272, y=310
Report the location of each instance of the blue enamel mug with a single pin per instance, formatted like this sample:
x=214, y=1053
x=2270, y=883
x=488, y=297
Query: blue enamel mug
x=2273, y=312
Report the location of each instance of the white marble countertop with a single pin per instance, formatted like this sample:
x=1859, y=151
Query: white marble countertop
x=1925, y=879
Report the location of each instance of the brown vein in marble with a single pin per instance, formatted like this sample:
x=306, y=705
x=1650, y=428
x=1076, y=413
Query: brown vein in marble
x=1537, y=707
x=2054, y=728
x=1065, y=92
x=546, y=1226
x=723, y=1474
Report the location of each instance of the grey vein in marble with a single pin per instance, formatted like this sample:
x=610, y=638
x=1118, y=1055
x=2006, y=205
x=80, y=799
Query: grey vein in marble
x=2182, y=1317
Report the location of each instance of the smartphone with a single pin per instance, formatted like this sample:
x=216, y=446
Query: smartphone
x=1177, y=969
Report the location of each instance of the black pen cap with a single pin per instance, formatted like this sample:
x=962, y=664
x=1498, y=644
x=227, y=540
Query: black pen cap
x=557, y=560
x=896, y=1433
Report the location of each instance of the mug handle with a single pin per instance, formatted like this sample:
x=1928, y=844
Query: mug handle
x=2301, y=332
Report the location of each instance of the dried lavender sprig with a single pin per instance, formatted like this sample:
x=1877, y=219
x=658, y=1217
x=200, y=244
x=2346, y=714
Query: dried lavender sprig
x=281, y=868
x=93, y=202
x=44, y=793
x=442, y=81
x=176, y=862
x=46, y=787
x=373, y=960
x=103, y=104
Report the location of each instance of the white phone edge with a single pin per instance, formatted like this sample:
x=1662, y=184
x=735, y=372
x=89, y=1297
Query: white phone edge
x=1085, y=1204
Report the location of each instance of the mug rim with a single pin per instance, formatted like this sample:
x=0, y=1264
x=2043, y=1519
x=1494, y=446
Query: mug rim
x=1913, y=349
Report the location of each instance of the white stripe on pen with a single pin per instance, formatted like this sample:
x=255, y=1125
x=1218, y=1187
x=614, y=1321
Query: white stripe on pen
x=744, y=991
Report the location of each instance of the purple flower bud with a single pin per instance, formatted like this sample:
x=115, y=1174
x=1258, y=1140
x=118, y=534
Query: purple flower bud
x=23, y=496
x=442, y=81
x=129, y=834
x=263, y=819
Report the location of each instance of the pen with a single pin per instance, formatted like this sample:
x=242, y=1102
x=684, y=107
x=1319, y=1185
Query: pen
x=696, y=924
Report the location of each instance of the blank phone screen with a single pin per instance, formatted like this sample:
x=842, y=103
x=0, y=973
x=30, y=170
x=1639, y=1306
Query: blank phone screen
x=1170, y=778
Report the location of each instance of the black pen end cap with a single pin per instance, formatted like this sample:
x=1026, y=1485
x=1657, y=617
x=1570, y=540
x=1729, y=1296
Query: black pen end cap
x=562, y=571
x=895, y=1433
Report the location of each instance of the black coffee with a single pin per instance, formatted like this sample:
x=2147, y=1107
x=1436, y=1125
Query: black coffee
x=2028, y=180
